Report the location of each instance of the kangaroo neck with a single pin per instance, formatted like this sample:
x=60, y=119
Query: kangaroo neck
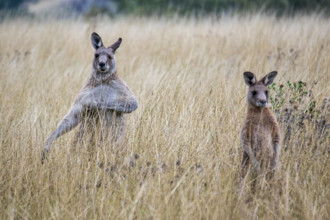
x=257, y=110
x=98, y=79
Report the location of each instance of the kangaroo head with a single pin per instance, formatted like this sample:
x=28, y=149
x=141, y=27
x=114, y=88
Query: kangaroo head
x=104, y=58
x=258, y=92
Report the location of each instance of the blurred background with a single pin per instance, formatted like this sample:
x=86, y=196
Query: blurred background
x=90, y=8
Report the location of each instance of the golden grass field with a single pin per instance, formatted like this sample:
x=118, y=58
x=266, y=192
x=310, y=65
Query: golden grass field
x=188, y=77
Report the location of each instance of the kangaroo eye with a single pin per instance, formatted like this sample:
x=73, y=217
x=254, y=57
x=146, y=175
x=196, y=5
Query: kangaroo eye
x=254, y=93
x=96, y=55
x=109, y=57
x=266, y=93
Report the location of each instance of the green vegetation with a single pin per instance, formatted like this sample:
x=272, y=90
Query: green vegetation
x=215, y=6
x=193, y=7
x=300, y=115
x=12, y=4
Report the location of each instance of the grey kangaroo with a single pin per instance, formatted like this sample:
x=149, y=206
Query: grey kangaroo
x=260, y=135
x=105, y=98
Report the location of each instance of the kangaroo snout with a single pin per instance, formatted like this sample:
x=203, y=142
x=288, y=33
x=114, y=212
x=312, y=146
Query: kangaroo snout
x=102, y=67
x=261, y=103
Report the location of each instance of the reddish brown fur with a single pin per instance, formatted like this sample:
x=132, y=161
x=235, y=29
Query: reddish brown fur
x=260, y=134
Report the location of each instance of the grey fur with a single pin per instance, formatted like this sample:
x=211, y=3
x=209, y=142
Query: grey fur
x=105, y=93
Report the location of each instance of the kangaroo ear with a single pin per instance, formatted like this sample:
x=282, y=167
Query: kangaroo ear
x=269, y=78
x=250, y=78
x=115, y=46
x=96, y=41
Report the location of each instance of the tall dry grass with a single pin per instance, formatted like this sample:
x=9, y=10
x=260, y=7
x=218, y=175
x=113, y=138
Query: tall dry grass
x=188, y=77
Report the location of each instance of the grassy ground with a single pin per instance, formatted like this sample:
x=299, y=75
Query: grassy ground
x=188, y=77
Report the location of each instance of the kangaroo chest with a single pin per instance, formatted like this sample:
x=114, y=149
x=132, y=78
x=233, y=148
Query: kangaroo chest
x=260, y=133
x=99, y=94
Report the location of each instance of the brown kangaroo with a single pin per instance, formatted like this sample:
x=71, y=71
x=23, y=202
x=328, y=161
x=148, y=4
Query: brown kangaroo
x=104, y=99
x=260, y=135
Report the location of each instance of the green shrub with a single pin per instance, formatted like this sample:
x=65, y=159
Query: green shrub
x=299, y=114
